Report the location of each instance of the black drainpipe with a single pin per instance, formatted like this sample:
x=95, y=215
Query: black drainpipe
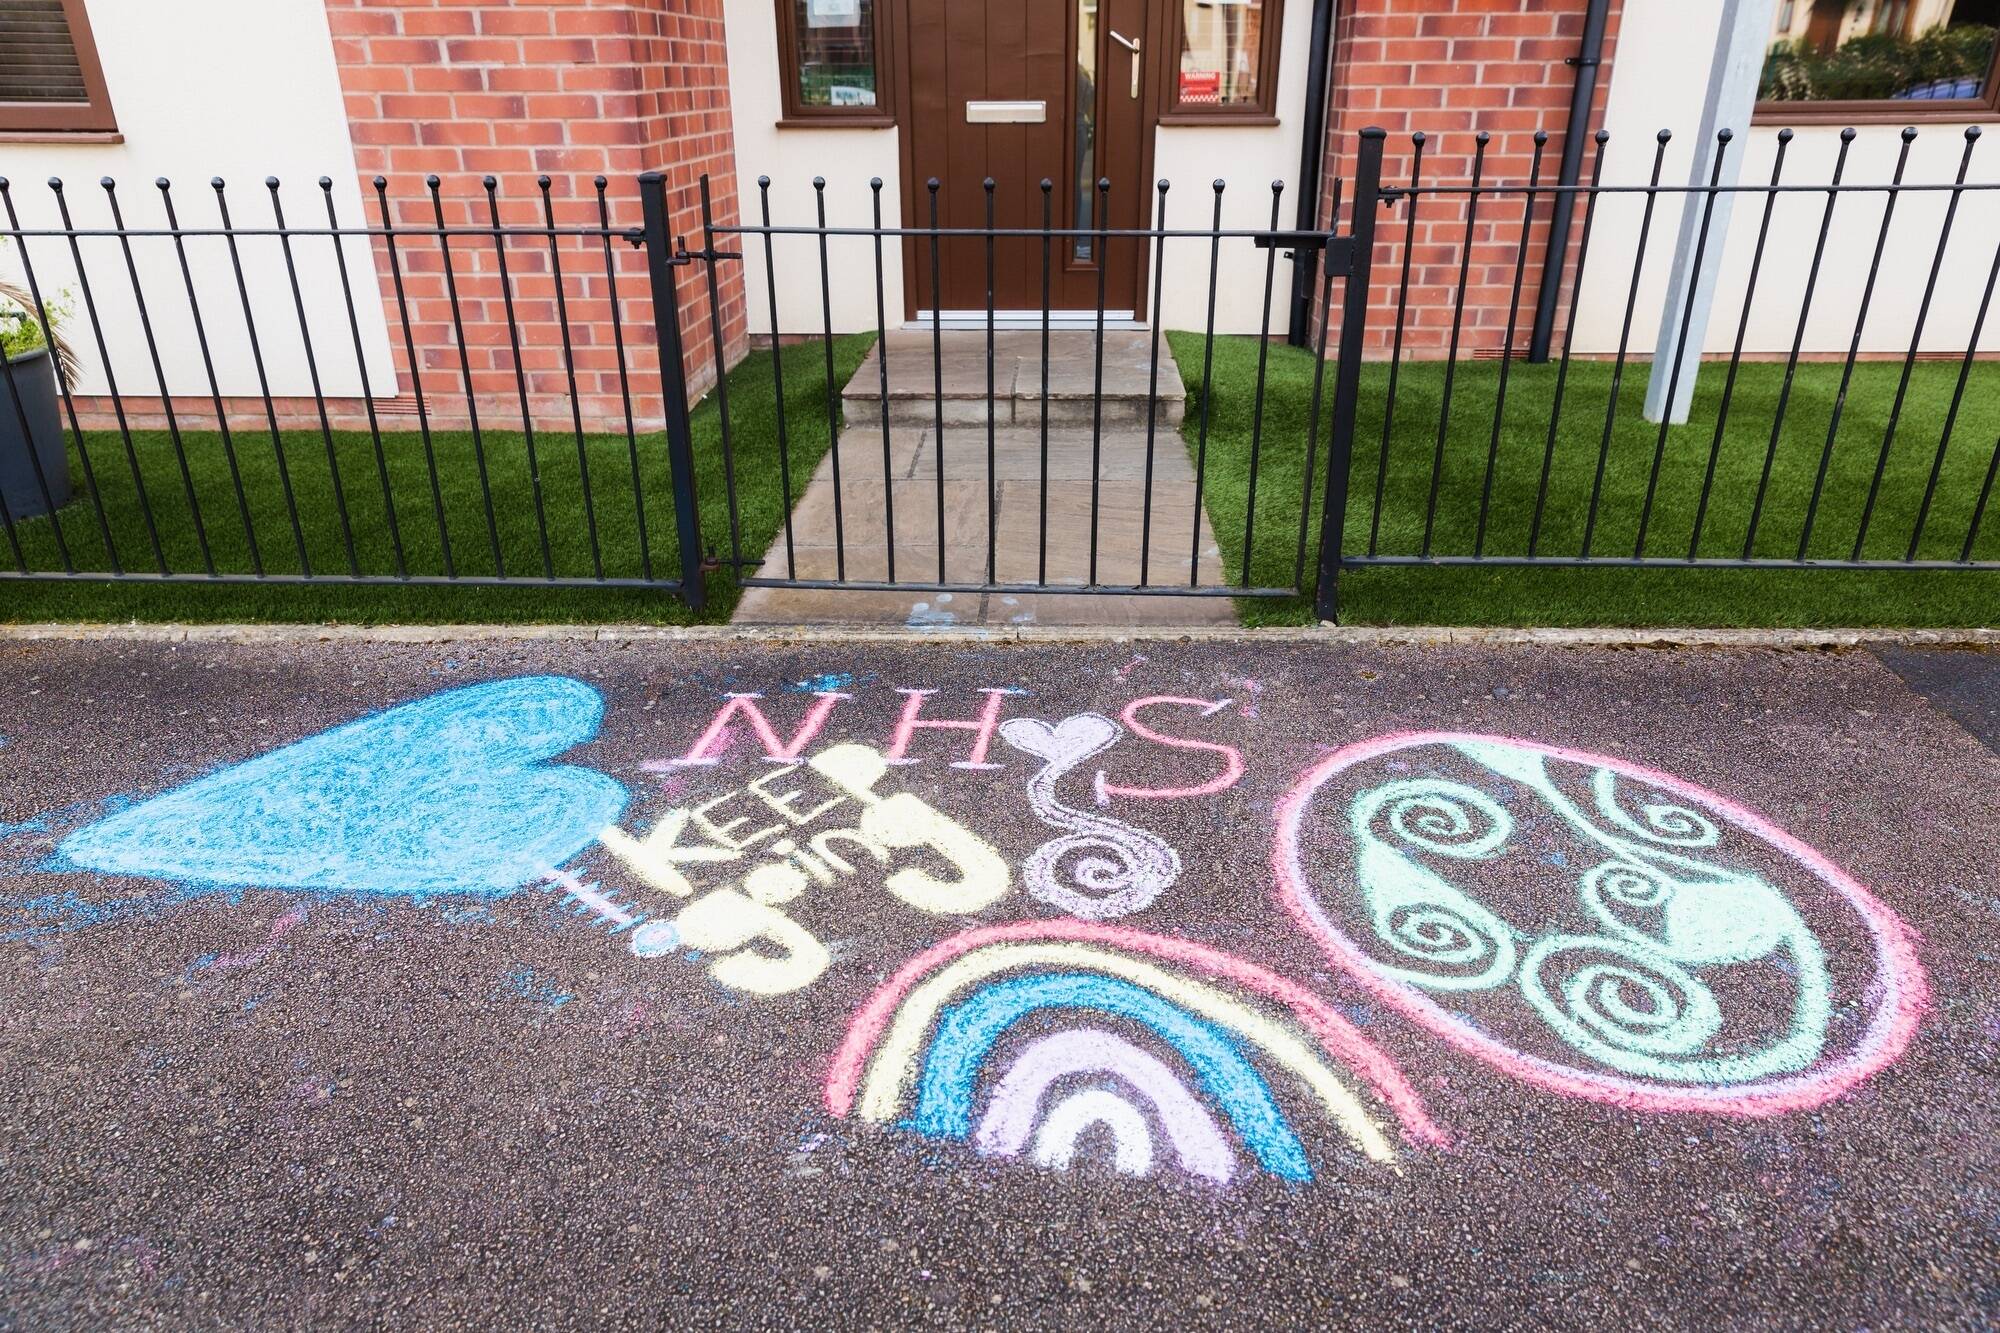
x=1585, y=61
x=1312, y=155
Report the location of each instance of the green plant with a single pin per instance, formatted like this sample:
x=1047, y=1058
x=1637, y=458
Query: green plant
x=21, y=332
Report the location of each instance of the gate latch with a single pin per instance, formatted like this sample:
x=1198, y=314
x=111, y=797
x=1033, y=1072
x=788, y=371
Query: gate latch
x=682, y=256
x=1293, y=240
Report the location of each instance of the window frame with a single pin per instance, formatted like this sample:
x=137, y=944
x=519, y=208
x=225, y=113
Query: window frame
x=67, y=119
x=1890, y=110
x=795, y=114
x=1262, y=111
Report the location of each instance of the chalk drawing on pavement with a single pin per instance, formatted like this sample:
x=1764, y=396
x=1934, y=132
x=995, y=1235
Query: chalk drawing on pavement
x=1232, y=758
x=1099, y=868
x=1595, y=927
x=794, y=829
x=1178, y=1052
x=450, y=794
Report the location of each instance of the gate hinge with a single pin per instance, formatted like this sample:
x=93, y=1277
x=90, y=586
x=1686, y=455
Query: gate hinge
x=1391, y=195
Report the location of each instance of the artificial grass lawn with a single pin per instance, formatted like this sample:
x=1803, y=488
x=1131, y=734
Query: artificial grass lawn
x=753, y=434
x=1608, y=596
x=1433, y=595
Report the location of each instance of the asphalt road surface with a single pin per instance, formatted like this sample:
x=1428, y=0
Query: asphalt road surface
x=541, y=984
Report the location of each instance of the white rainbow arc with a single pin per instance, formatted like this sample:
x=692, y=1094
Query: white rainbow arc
x=1063, y=1131
x=1197, y=1140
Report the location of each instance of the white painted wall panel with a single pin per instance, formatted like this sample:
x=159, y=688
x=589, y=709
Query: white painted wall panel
x=791, y=157
x=241, y=89
x=1659, y=76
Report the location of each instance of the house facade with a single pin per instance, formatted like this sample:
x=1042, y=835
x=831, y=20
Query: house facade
x=854, y=92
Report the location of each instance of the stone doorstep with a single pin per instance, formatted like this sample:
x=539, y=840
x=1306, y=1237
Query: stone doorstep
x=913, y=397
x=967, y=410
x=1017, y=454
x=914, y=609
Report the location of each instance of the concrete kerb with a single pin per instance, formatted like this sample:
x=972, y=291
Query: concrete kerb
x=1330, y=635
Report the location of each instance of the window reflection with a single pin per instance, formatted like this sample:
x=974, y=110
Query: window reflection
x=1222, y=42
x=836, y=55
x=1891, y=50
x=1086, y=123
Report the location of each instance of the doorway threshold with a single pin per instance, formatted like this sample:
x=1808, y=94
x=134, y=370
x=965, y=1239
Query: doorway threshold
x=1026, y=319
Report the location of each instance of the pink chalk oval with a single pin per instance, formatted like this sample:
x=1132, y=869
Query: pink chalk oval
x=1898, y=995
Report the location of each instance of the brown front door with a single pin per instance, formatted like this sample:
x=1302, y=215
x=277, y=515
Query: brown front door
x=975, y=72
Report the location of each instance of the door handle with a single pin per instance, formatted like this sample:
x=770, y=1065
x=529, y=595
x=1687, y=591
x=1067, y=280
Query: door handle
x=1132, y=45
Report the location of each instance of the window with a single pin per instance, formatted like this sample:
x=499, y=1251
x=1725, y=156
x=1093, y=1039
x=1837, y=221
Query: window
x=1225, y=61
x=1882, y=59
x=833, y=59
x=49, y=77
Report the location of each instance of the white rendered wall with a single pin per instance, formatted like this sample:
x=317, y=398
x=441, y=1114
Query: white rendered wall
x=1247, y=158
x=791, y=157
x=1658, y=80
x=241, y=89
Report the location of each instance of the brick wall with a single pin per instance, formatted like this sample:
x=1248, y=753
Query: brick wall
x=567, y=89
x=1452, y=68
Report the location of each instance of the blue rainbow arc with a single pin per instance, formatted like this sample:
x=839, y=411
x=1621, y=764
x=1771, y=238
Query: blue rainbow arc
x=967, y=1033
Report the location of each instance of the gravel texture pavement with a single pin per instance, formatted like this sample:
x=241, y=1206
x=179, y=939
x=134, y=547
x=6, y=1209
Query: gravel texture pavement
x=1673, y=1002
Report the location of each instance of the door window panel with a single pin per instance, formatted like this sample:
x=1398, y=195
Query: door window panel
x=1086, y=125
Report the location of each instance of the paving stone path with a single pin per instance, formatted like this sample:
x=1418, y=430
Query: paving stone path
x=1041, y=516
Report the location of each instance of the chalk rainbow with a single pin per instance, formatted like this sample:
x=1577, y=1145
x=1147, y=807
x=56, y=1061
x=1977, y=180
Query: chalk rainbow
x=916, y=1052
x=1897, y=997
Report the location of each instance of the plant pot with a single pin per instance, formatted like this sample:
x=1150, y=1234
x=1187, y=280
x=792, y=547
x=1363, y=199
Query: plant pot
x=34, y=380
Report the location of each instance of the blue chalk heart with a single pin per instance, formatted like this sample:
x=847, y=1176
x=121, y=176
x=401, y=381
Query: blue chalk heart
x=449, y=794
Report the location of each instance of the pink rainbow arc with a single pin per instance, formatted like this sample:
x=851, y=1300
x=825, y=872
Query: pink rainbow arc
x=1333, y=1031
x=1906, y=992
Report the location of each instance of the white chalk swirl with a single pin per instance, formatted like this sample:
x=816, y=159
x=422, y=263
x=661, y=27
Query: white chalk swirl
x=1100, y=868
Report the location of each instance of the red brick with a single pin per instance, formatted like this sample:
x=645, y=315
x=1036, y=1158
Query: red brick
x=529, y=133
x=568, y=106
x=398, y=51
x=436, y=22
x=360, y=22
x=416, y=106
x=558, y=50
x=490, y=106
x=456, y=132
x=449, y=78
x=1452, y=25
x=488, y=50
x=1436, y=76
x=1542, y=24
x=375, y=78
x=524, y=79
x=516, y=22
x=1411, y=97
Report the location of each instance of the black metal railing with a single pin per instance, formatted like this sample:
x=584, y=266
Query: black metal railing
x=193, y=480
x=1542, y=487
x=511, y=469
